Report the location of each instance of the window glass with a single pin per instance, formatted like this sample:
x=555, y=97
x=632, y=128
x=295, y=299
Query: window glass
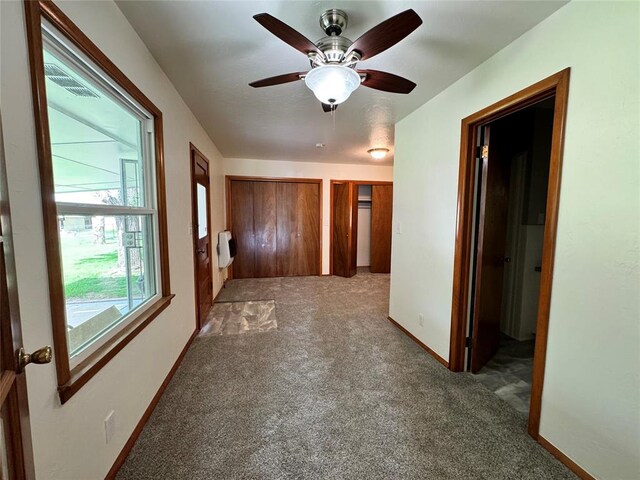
x=107, y=272
x=96, y=143
x=102, y=153
x=203, y=228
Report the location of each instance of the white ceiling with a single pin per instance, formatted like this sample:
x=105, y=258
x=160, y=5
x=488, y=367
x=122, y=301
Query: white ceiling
x=211, y=50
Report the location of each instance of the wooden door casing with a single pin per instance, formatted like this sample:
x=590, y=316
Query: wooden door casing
x=381, y=224
x=491, y=245
x=202, y=246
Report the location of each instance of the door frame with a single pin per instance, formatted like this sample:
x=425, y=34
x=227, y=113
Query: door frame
x=229, y=209
x=354, y=182
x=556, y=85
x=194, y=232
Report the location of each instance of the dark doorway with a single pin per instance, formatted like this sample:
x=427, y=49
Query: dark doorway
x=511, y=192
x=201, y=226
x=481, y=230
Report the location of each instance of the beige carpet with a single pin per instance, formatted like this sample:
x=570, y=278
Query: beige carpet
x=335, y=392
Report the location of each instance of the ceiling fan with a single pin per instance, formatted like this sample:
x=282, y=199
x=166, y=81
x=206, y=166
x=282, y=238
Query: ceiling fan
x=333, y=75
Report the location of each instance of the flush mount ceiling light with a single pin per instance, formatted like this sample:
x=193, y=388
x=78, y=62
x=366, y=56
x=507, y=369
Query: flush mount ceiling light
x=378, y=153
x=334, y=58
x=332, y=84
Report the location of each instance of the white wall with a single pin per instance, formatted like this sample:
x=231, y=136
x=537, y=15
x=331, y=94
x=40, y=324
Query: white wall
x=591, y=398
x=69, y=440
x=325, y=171
x=363, y=254
x=527, y=311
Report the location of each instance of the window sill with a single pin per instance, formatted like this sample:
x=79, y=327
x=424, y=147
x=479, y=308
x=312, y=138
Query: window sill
x=84, y=371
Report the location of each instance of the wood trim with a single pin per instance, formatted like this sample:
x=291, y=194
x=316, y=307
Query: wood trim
x=367, y=182
x=320, y=226
x=33, y=13
x=229, y=210
x=163, y=230
x=556, y=85
x=7, y=379
x=332, y=183
x=273, y=179
x=570, y=464
x=84, y=371
x=422, y=345
x=548, y=251
x=122, y=456
x=70, y=381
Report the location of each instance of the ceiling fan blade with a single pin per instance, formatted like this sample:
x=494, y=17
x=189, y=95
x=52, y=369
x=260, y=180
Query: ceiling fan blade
x=328, y=108
x=387, y=82
x=277, y=80
x=287, y=34
x=386, y=34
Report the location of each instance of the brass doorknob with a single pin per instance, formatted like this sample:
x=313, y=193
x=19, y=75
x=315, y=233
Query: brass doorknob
x=40, y=356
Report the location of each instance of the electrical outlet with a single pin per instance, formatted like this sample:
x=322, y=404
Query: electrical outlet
x=110, y=426
x=421, y=320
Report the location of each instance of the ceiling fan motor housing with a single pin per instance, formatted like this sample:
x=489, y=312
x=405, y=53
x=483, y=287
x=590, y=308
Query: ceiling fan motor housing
x=334, y=47
x=333, y=21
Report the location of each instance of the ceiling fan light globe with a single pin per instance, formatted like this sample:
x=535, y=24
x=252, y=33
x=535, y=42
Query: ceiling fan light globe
x=332, y=84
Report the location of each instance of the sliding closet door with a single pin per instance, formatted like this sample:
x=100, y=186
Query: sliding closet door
x=298, y=234
x=264, y=210
x=287, y=199
x=381, y=213
x=276, y=226
x=242, y=204
x=307, y=244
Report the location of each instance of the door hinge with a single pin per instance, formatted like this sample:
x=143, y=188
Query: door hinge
x=467, y=342
x=484, y=153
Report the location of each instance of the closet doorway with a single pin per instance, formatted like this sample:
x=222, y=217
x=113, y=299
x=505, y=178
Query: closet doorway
x=361, y=213
x=277, y=226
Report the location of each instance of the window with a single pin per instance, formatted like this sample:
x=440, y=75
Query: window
x=102, y=187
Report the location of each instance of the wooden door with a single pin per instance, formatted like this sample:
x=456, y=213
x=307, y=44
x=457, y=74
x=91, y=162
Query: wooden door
x=242, y=203
x=298, y=236
x=287, y=220
x=491, y=243
x=265, y=226
x=344, y=243
x=16, y=459
x=201, y=212
x=381, y=215
x=307, y=241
